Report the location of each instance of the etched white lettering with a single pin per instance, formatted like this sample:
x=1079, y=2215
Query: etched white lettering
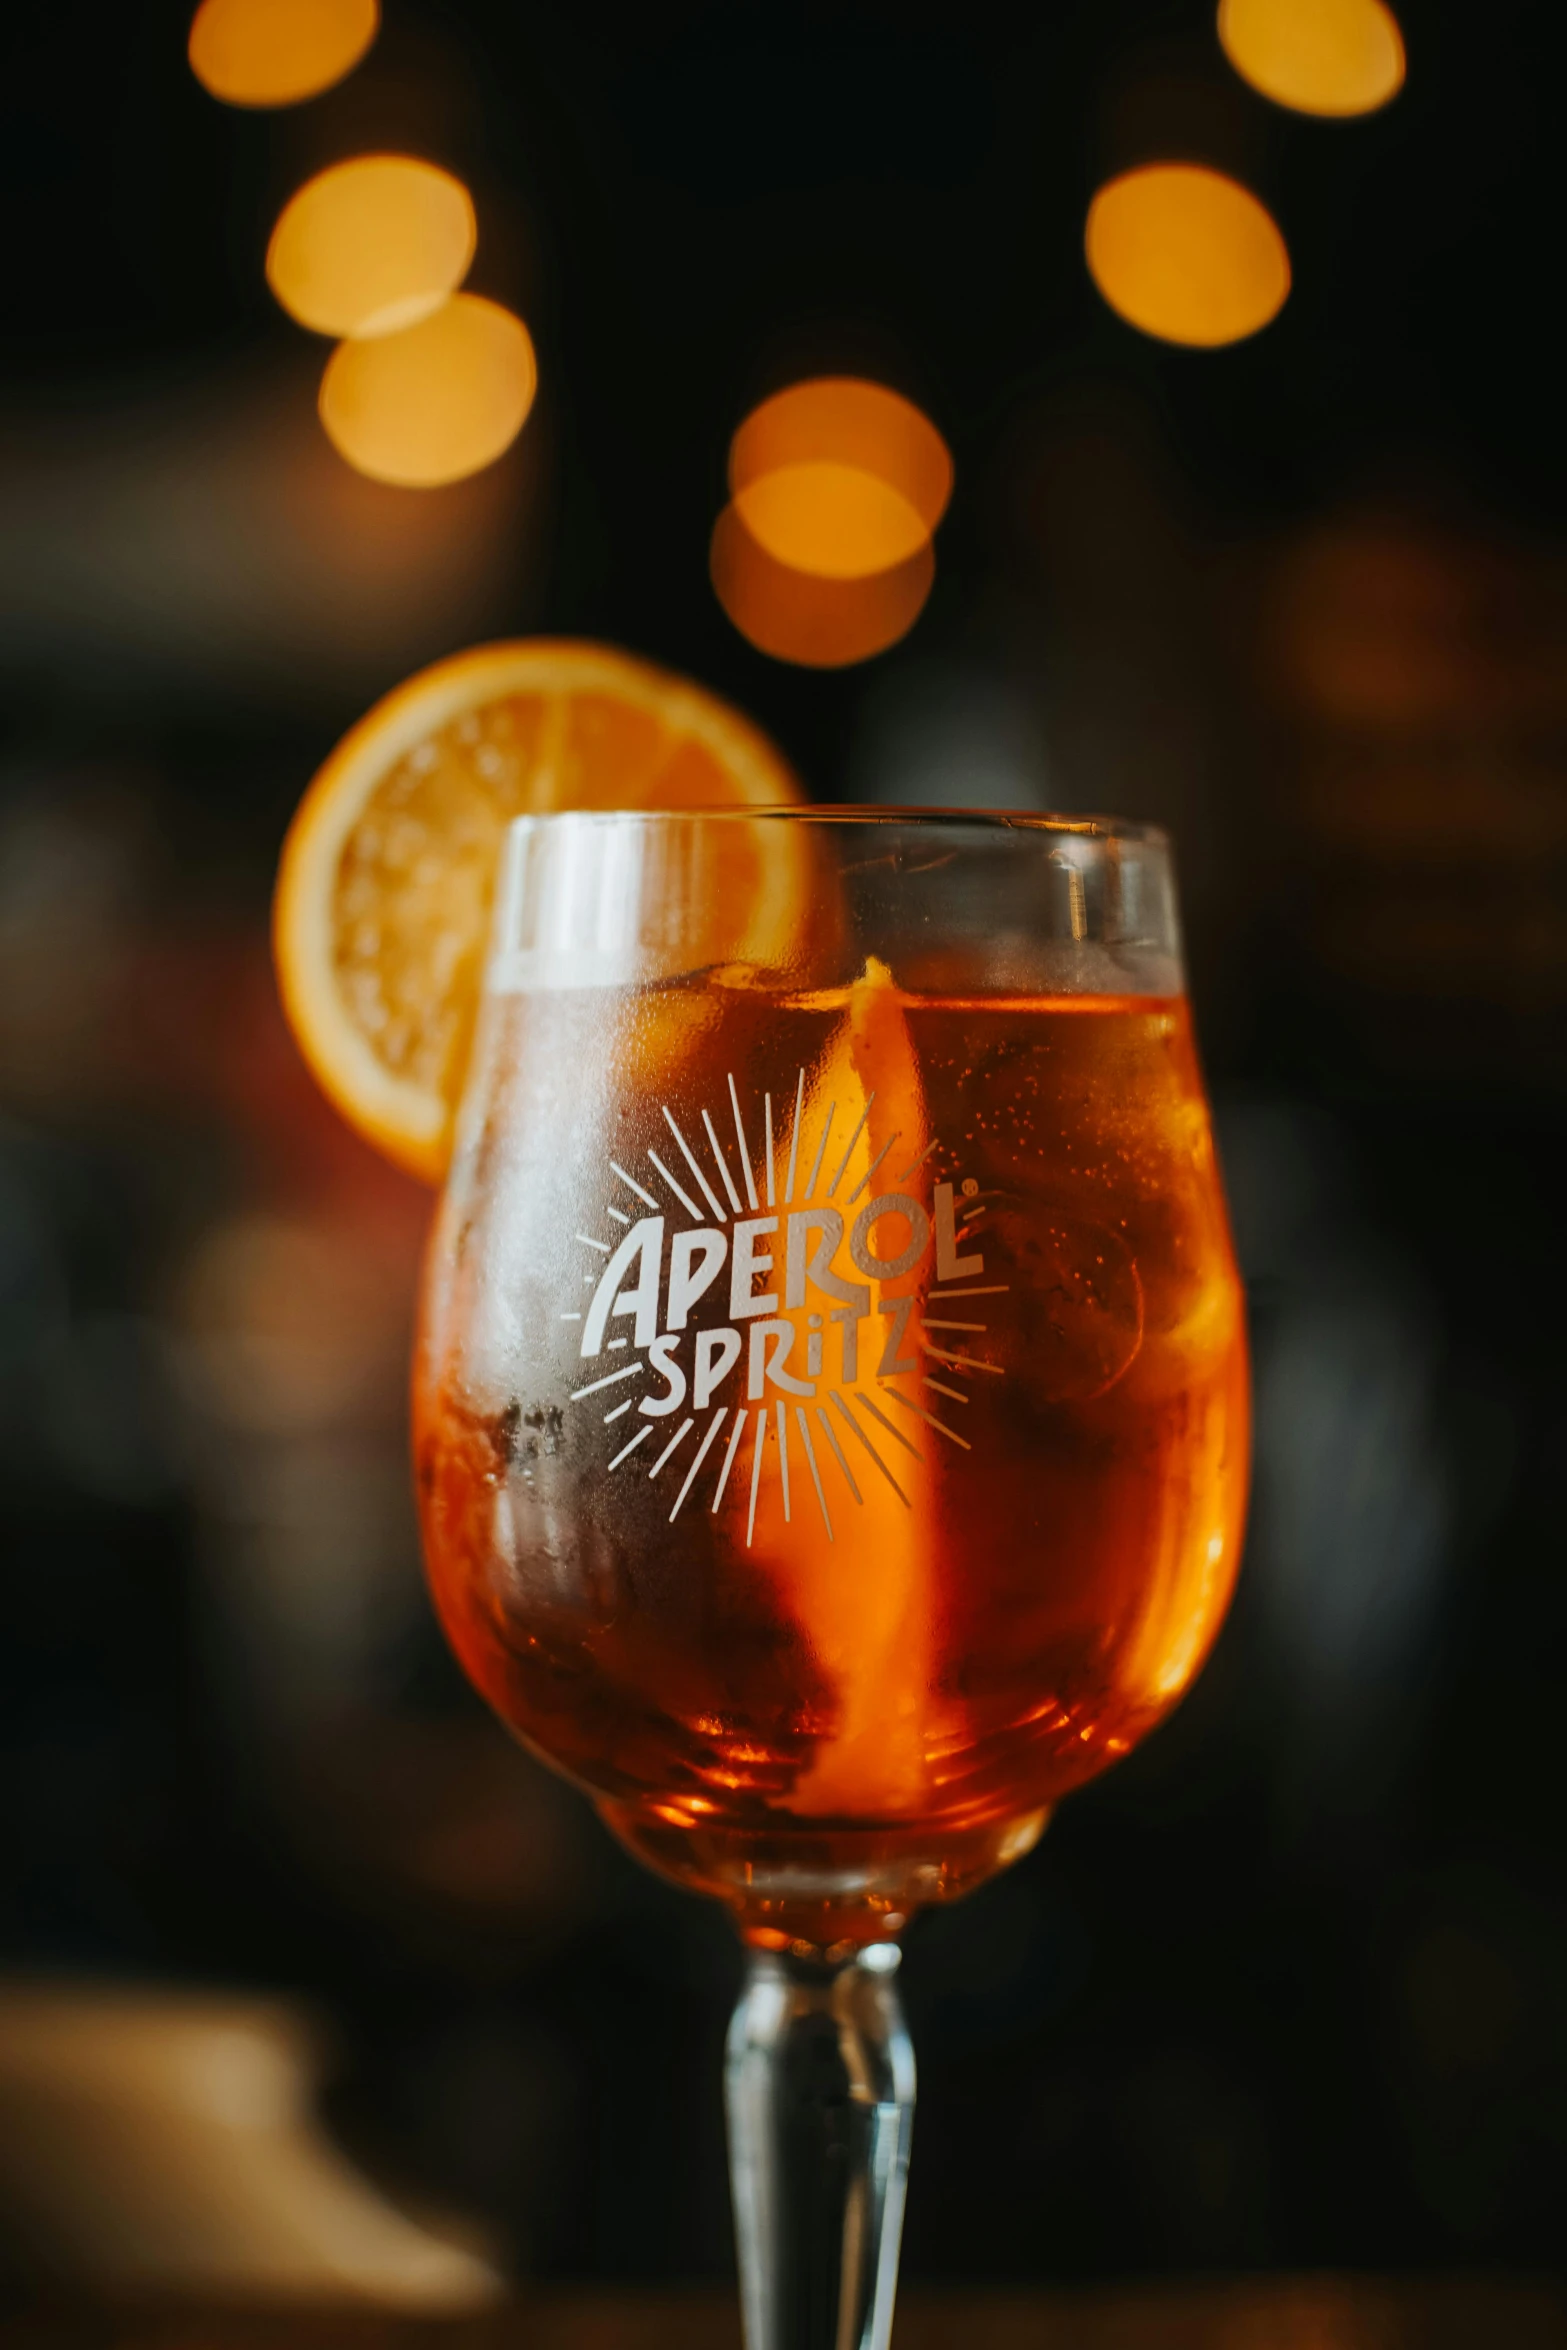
x=892, y=1362
x=802, y=1264
x=891, y=1203
x=771, y=1346
x=747, y=1261
x=851, y=1317
x=717, y=1352
x=690, y=1280
x=825, y=1225
x=660, y=1356
x=643, y=1246
x=949, y=1265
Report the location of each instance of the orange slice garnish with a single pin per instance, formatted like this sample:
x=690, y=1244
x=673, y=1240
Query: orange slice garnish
x=862, y=1588
x=382, y=912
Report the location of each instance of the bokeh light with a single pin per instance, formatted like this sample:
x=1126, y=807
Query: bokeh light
x=839, y=477
x=1334, y=57
x=832, y=520
x=437, y=400
x=276, y=52
x=818, y=622
x=1186, y=254
x=371, y=246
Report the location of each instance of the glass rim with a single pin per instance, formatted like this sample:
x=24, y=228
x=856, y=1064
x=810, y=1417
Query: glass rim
x=995, y=820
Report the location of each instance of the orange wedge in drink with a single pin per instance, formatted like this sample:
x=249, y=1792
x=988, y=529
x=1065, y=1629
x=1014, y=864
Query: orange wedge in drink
x=855, y=1566
x=382, y=912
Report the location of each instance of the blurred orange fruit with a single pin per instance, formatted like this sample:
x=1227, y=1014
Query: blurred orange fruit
x=382, y=911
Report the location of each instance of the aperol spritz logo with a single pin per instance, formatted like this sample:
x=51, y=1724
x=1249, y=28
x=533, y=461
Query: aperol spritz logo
x=821, y=1295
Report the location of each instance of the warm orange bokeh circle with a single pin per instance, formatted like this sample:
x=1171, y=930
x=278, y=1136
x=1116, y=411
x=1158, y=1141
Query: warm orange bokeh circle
x=1187, y=254
x=278, y=52
x=371, y=245
x=436, y=401
x=1328, y=57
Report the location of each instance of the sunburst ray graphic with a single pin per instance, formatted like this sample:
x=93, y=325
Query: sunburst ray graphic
x=758, y=1275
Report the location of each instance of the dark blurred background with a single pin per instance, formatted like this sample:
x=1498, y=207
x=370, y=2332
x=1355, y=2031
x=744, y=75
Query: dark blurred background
x=1286, y=1989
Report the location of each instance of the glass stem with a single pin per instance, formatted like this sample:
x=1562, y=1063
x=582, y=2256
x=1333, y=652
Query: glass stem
x=819, y=2083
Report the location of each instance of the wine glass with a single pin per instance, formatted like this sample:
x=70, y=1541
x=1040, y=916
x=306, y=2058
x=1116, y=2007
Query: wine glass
x=831, y=1406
